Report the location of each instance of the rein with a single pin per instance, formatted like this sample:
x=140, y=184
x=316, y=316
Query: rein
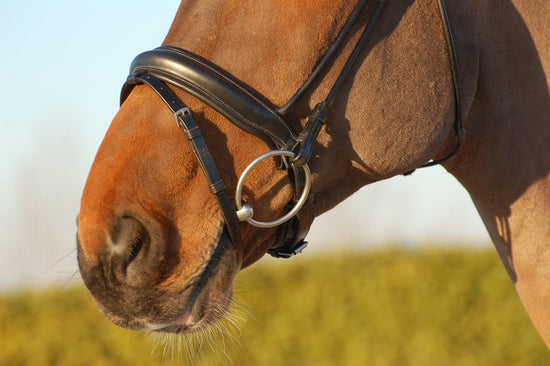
x=254, y=114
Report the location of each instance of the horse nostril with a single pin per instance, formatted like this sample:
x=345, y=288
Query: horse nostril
x=129, y=238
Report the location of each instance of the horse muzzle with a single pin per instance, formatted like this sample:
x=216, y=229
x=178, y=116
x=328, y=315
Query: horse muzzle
x=142, y=282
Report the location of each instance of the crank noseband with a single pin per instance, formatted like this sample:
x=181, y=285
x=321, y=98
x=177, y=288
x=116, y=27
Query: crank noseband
x=294, y=225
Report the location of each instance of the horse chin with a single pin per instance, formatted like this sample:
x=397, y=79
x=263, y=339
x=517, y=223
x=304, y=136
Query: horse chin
x=207, y=311
x=210, y=297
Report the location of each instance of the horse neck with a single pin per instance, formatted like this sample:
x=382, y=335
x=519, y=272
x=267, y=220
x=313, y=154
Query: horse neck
x=505, y=163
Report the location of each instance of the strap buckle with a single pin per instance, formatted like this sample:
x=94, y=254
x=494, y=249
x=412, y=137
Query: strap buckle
x=288, y=252
x=307, y=138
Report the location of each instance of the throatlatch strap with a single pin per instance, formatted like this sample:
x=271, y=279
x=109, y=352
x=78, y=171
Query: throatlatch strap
x=459, y=125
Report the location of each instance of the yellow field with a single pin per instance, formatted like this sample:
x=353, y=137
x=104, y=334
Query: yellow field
x=391, y=307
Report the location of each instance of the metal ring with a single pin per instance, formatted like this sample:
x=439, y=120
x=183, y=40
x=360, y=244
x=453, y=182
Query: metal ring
x=245, y=212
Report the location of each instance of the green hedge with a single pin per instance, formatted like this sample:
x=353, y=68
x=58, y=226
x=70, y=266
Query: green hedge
x=388, y=307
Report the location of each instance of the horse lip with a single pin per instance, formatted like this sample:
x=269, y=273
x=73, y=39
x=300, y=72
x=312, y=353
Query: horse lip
x=181, y=328
x=183, y=324
x=190, y=321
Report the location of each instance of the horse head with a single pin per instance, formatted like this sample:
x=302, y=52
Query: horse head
x=154, y=246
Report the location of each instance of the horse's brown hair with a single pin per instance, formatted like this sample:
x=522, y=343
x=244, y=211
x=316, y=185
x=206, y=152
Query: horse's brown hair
x=151, y=243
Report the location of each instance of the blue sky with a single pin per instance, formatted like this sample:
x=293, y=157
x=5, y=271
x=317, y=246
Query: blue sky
x=62, y=64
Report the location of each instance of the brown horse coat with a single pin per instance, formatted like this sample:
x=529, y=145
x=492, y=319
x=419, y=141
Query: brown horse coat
x=150, y=244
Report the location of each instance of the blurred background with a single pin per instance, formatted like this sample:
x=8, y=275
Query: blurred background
x=62, y=64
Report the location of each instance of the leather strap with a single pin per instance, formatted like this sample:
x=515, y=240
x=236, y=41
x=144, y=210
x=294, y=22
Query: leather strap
x=459, y=126
x=217, y=88
x=326, y=58
x=194, y=135
x=290, y=238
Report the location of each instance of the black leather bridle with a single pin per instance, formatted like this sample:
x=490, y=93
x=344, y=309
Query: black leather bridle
x=254, y=114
